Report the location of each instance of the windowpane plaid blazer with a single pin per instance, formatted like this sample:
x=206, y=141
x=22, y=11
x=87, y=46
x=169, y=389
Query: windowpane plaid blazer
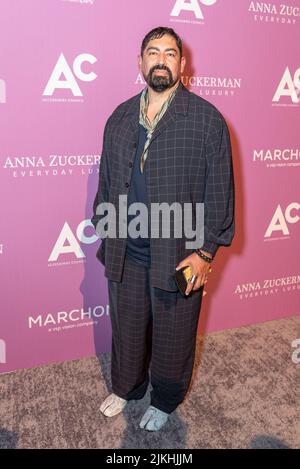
x=189, y=161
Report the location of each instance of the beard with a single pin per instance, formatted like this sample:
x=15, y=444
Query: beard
x=157, y=82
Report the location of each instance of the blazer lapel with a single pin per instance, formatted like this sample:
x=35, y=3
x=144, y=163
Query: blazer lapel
x=179, y=106
x=133, y=115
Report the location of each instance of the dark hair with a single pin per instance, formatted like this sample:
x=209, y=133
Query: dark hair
x=157, y=33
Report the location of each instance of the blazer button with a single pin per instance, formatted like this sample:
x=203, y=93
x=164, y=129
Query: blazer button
x=134, y=145
x=130, y=164
x=126, y=184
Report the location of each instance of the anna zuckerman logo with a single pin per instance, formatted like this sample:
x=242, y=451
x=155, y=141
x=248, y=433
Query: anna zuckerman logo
x=70, y=75
x=191, y=5
x=281, y=218
x=289, y=86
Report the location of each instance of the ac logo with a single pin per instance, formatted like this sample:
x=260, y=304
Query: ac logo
x=2, y=351
x=73, y=246
x=280, y=220
x=289, y=86
x=62, y=68
x=191, y=5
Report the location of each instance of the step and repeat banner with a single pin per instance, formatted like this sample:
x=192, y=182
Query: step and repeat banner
x=64, y=67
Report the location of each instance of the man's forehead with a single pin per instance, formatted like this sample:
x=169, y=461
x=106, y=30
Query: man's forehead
x=165, y=41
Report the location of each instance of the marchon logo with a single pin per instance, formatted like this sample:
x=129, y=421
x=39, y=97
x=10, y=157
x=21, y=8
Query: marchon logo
x=191, y=5
x=73, y=247
x=62, y=68
x=277, y=157
x=2, y=351
x=289, y=86
x=2, y=92
x=281, y=219
x=64, y=319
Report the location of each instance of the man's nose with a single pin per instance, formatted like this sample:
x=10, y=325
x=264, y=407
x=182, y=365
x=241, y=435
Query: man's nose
x=161, y=59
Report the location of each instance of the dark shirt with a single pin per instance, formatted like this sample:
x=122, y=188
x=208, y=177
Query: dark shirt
x=138, y=249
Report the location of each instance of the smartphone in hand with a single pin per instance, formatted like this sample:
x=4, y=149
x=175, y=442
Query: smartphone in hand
x=182, y=277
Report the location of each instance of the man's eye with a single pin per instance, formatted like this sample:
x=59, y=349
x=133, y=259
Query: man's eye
x=171, y=54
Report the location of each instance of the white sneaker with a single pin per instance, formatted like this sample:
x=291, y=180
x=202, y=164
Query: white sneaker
x=112, y=405
x=153, y=419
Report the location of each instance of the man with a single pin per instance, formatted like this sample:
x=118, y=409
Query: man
x=164, y=145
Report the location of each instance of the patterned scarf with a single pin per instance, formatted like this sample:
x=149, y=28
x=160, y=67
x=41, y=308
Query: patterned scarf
x=150, y=126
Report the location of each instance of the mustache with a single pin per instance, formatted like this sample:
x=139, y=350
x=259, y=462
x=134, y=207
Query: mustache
x=160, y=67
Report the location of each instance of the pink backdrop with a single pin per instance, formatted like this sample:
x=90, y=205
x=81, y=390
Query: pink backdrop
x=243, y=57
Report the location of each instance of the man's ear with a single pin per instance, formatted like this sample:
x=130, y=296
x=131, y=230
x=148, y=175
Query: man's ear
x=140, y=61
x=182, y=64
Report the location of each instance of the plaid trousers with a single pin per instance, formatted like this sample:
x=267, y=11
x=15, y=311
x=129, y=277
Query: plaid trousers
x=154, y=331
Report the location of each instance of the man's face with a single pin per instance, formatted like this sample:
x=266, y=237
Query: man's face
x=161, y=64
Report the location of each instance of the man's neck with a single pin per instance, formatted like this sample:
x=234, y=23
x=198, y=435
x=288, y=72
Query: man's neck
x=157, y=99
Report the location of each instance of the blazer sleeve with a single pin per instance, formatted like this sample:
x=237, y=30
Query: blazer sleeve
x=102, y=194
x=219, y=224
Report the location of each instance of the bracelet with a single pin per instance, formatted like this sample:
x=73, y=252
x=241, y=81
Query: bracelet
x=203, y=256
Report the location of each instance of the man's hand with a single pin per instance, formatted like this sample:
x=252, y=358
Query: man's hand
x=199, y=267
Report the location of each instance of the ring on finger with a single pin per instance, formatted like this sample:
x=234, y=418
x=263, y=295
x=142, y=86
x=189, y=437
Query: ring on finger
x=193, y=279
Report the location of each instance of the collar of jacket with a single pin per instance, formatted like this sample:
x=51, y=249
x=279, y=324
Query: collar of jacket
x=179, y=106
